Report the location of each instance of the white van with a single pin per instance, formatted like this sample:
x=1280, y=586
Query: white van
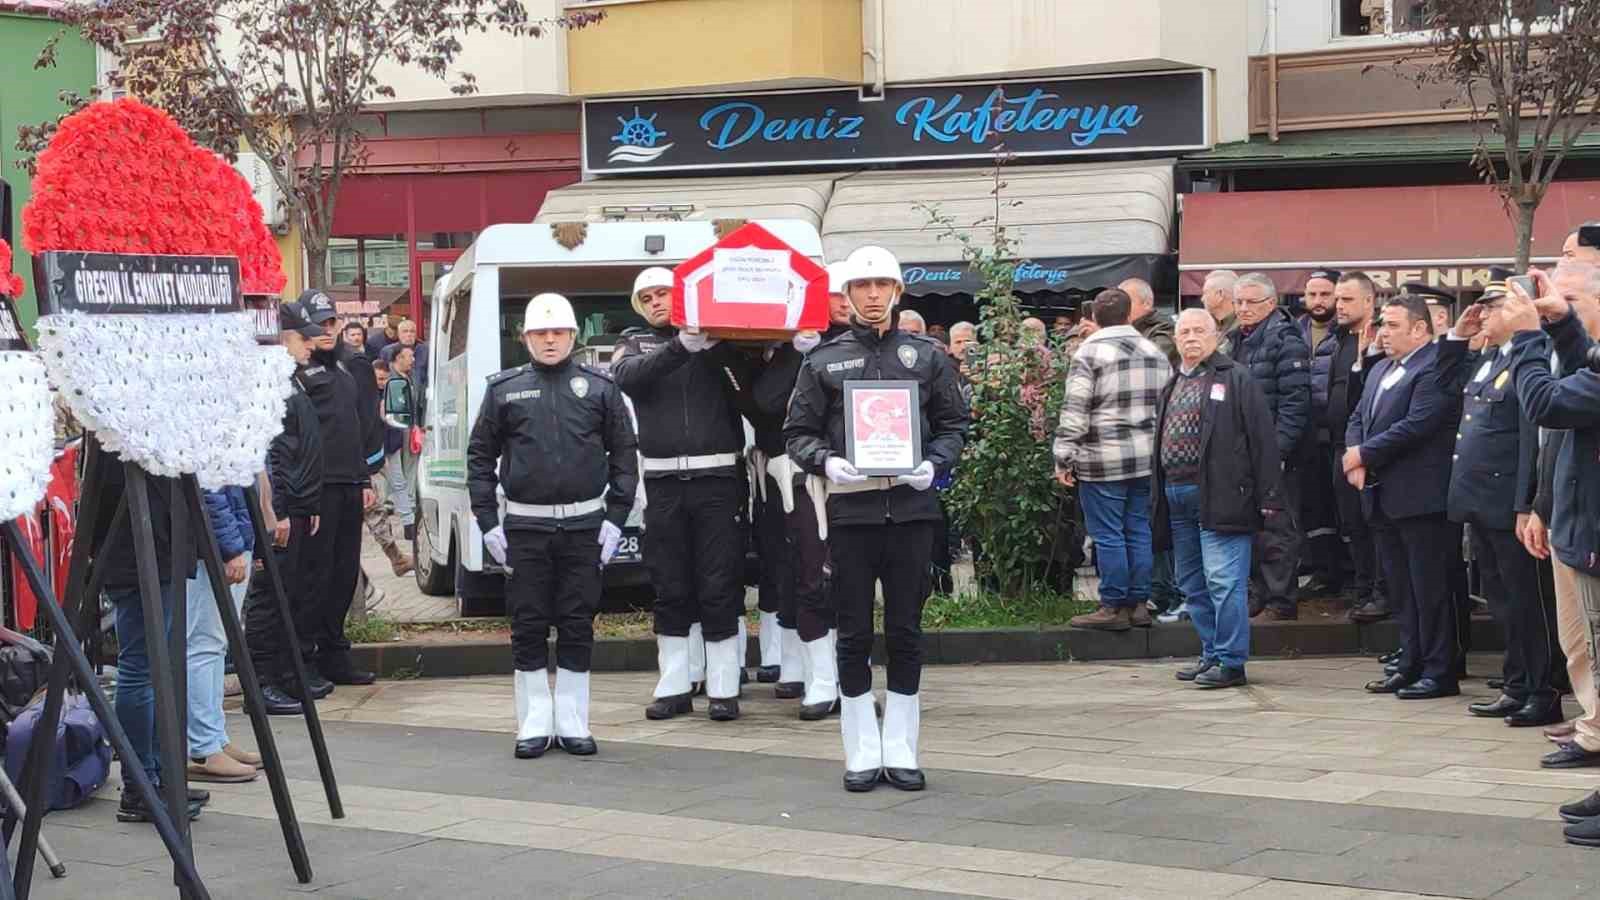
x=474, y=332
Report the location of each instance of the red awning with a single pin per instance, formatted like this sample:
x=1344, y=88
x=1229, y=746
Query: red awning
x=1446, y=236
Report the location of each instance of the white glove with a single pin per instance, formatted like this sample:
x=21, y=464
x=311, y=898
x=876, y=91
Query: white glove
x=495, y=540
x=694, y=341
x=920, y=478
x=806, y=341
x=841, y=472
x=610, y=539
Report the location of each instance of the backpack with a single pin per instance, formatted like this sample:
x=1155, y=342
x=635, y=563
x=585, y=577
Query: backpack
x=81, y=759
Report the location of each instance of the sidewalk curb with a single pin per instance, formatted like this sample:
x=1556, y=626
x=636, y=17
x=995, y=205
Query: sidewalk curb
x=955, y=647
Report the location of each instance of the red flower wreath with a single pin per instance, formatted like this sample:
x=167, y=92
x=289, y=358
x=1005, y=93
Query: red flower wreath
x=10, y=284
x=123, y=177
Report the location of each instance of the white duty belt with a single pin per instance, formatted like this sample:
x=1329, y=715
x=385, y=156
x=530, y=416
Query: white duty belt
x=556, y=510
x=689, y=463
x=820, y=488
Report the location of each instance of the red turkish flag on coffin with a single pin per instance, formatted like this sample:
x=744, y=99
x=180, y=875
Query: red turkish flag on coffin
x=750, y=286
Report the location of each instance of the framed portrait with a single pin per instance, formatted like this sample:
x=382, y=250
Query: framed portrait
x=883, y=426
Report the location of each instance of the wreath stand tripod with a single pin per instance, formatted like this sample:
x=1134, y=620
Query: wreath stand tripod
x=168, y=668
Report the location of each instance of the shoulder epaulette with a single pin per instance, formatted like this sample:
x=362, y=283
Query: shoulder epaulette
x=498, y=377
x=595, y=372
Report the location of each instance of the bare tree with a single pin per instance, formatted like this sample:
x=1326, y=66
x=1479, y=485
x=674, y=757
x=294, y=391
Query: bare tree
x=288, y=78
x=1530, y=71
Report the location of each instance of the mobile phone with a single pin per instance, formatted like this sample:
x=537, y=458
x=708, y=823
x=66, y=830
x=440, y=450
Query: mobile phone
x=1525, y=284
x=1589, y=234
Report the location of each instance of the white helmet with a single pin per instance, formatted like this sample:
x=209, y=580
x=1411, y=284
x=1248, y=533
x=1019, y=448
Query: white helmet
x=872, y=262
x=548, y=311
x=653, y=277
x=836, y=280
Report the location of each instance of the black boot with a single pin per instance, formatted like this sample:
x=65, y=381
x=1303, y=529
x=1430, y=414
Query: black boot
x=667, y=707
x=278, y=702
x=905, y=779
x=815, y=712
x=578, y=746
x=533, y=748
x=789, y=690
x=767, y=674
x=724, y=710
x=861, y=782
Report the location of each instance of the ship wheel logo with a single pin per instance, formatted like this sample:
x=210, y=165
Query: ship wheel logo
x=637, y=140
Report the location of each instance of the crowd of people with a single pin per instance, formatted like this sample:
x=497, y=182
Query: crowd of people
x=1377, y=442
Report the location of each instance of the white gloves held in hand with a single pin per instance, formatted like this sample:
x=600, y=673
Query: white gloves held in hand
x=495, y=541
x=840, y=471
x=920, y=478
x=610, y=540
x=806, y=341
x=694, y=341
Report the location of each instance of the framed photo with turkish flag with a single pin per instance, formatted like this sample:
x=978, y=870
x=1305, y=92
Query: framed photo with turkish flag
x=883, y=426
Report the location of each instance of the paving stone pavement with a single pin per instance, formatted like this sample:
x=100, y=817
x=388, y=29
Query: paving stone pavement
x=1060, y=781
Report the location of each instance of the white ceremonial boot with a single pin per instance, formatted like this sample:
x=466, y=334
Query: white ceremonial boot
x=673, y=691
x=822, y=683
x=771, y=638
x=863, y=747
x=722, y=678
x=535, y=713
x=792, y=666
x=572, y=713
x=902, y=721
x=697, y=659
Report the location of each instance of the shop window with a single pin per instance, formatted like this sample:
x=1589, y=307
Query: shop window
x=446, y=240
x=369, y=261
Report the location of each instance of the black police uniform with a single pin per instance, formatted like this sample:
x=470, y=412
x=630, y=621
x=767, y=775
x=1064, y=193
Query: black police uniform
x=332, y=556
x=1492, y=481
x=557, y=439
x=691, y=439
x=294, y=471
x=885, y=533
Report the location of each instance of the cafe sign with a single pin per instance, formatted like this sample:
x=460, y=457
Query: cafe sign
x=1150, y=112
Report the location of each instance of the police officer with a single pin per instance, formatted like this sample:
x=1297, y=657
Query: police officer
x=683, y=387
x=805, y=620
x=879, y=529
x=1491, y=488
x=333, y=552
x=556, y=438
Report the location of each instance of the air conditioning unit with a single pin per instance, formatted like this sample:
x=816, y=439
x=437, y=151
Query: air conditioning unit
x=254, y=169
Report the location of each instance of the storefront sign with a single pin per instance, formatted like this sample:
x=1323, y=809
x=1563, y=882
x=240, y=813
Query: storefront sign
x=1085, y=273
x=1466, y=277
x=123, y=283
x=1162, y=112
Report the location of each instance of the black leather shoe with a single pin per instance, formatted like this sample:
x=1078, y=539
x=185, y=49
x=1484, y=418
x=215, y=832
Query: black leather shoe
x=202, y=797
x=1587, y=808
x=667, y=707
x=533, y=748
x=1570, y=756
x=816, y=712
x=860, y=782
x=1391, y=669
x=1583, y=834
x=1188, y=673
x=1495, y=684
x=1389, y=658
x=905, y=779
x=1498, y=708
x=1220, y=677
x=1389, y=685
x=1370, y=612
x=338, y=670
x=789, y=690
x=320, y=687
x=132, y=808
x=767, y=674
x=1428, y=689
x=1538, y=711
x=724, y=710
x=278, y=703
x=584, y=746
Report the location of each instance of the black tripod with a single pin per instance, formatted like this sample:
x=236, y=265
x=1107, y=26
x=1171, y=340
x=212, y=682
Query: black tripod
x=167, y=664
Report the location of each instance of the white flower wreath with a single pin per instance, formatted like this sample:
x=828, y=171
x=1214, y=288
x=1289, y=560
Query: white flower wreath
x=177, y=394
x=27, y=433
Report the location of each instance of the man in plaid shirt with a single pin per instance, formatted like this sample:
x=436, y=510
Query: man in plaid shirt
x=1105, y=445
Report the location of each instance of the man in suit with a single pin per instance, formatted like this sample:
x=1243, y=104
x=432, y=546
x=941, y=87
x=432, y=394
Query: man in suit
x=1491, y=490
x=1399, y=444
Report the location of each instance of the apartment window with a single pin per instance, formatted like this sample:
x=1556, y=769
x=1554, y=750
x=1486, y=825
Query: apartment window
x=1363, y=17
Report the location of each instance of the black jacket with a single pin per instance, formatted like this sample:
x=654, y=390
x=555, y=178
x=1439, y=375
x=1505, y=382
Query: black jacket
x=686, y=402
x=1345, y=384
x=1239, y=467
x=1322, y=359
x=1407, y=437
x=337, y=397
x=1571, y=402
x=116, y=547
x=1492, y=474
x=1280, y=361
x=814, y=430
x=560, y=434
x=368, y=400
x=294, y=459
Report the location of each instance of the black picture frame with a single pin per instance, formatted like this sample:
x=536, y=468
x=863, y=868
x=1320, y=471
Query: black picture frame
x=870, y=460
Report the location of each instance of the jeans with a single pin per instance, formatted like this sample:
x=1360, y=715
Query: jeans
x=1213, y=570
x=399, y=483
x=208, y=648
x=1117, y=514
x=136, y=697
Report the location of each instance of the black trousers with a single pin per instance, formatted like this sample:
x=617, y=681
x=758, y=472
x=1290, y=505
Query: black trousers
x=555, y=580
x=332, y=559
x=694, y=549
x=1511, y=583
x=1416, y=554
x=813, y=608
x=1319, y=517
x=264, y=629
x=1357, y=536
x=897, y=555
x=776, y=584
x=1275, y=555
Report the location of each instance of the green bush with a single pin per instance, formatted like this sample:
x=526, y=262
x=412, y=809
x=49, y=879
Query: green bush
x=986, y=609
